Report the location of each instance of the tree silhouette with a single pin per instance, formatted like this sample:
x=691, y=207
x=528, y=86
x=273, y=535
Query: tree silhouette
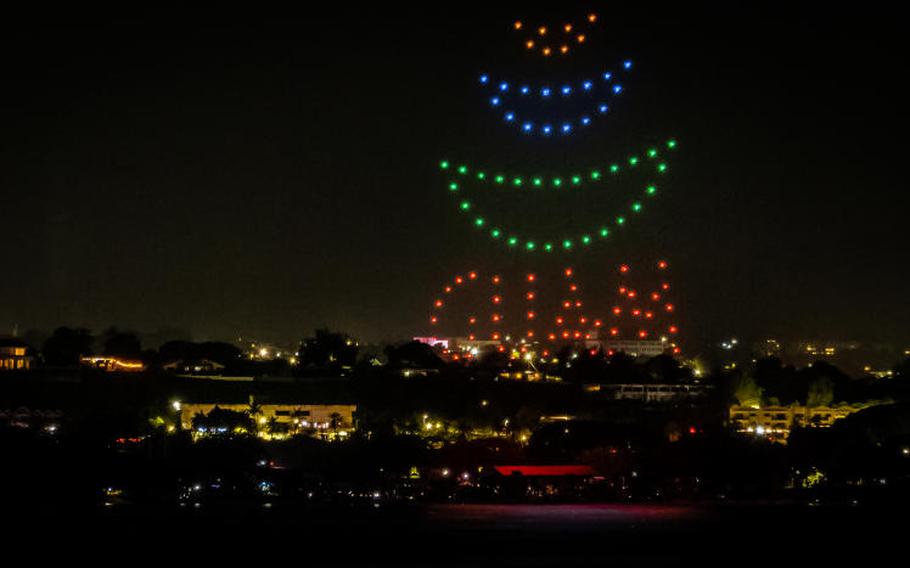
x=66, y=346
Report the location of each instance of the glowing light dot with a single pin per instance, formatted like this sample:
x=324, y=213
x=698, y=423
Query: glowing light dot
x=669, y=307
x=557, y=182
x=633, y=161
x=662, y=264
x=585, y=120
x=537, y=181
x=564, y=49
x=567, y=90
x=453, y=186
x=652, y=153
x=531, y=277
x=497, y=300
x=525, y=90
x=510, y=116
x=617, y=89
x=567, y=28
x=517, y=181
x=472, y=275
x=546, y=51
x=530, y=245
x=531, y=315
x=548, y=247
x=567, y=244
x=500, y=179
x=545, y=92
x=438, y=303
x=568, y=272
x=513, y=241
x=444, y=165
x=566, y=128
x=587, y=85
x=462, y=170
x=603, y=109
x=465, y=205
x=592, y=18
x=481, y=175
x=495, y=101
x=651, y=190
x=547, y=129
x=614, y=168
x=518, y=25
x=479, y=221
x=608, y=76
x=595, y=174
x=662, y=168
x=495, y=233
x=604, y=232
x=576, y=180
x=503, y=86
x=581, y=38
x=671, y=144
x=585, y=239
x=527, y=127
x=542, y=30
x=636, y=207
x=620, y=220
x=529, y=44
x=627, y=64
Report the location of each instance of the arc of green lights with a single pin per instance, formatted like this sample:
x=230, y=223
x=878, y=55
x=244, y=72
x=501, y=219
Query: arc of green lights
x=519, y=181
x=602, y=232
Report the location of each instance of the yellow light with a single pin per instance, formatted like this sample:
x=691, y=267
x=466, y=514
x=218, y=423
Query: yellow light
x=546, y=51
x=518, y=25
x=592, y=18
x=542, y=30
x=564, y=49
x=530, y=44
x=581, y=38
x=568, y=28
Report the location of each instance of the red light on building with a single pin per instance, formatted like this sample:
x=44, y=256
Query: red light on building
x=434, y=320
x=438, y=303
x=448, y=289
x=531, y=277
x=568, y=272
x=496, y=300
x=662, y=265
x=643, y=334
x=655, y=296
x=459, y=280
x=617, y=311
x=497, y=280
x=614, y=331
x=623, y=268
x=669, y=307
x=472, y=276
x=598, y=323
x=472, y=320
x=530, y=296
x=673, y=329
x=531, y=315
x=559, y=320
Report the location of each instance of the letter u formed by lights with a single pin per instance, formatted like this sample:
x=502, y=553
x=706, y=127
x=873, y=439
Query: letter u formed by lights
x=506, y=95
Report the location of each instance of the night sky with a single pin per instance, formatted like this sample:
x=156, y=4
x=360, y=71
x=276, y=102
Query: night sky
x=232, y=174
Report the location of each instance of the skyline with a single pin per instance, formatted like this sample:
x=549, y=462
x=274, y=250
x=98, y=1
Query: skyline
x=237, y=180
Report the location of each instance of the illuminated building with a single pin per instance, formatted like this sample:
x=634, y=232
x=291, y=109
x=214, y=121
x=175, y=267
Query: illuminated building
x=649, y=392
x=113, y=364
x=776, y=422
x=632, y=347
x=327, y=420
x=15, y=356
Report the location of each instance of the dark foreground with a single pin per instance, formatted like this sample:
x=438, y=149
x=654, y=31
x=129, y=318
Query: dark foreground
x=469, y=535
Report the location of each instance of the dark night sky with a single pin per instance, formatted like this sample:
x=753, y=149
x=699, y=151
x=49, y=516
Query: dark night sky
x=265, y=176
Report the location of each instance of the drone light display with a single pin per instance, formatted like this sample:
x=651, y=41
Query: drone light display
x=514, y=239
x=560, y=39
x=515, y=210
x=549, y=309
